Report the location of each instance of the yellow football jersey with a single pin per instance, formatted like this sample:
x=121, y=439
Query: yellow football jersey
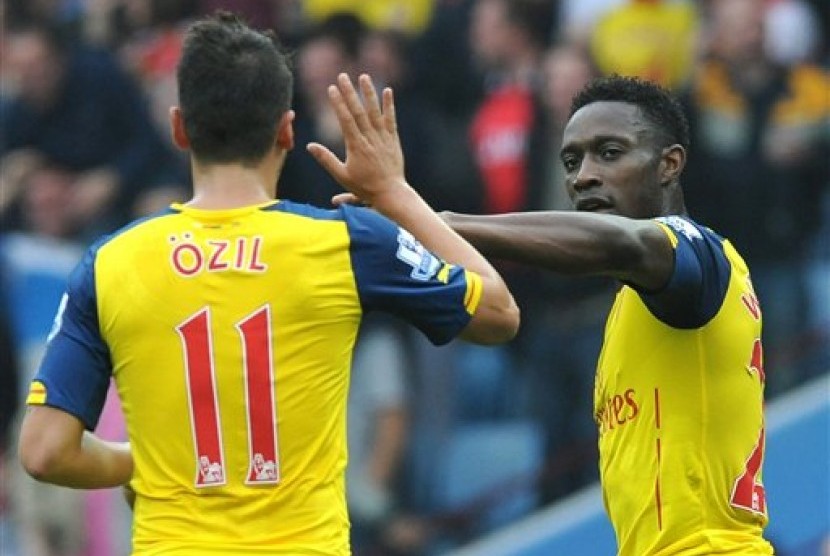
x=679, y=406
x=230, y=335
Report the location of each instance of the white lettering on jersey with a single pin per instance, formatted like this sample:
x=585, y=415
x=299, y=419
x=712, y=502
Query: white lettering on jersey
x=410, y=251
x=681, y=226
x=58, y=322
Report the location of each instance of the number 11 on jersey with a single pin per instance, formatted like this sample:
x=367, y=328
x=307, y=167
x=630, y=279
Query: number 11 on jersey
x=260, y=402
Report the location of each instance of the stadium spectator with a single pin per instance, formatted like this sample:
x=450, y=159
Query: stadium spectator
x=679, y=389
x=818, y=278
x=760, y=170
x=441, y=78
x=56, y=90
x=407, y=16
x=68, y=15
x=792, y=32
x=9, y=402
x=563, y=341
x=328, y=49
x=443, y=73
x=151, y=49
x=576, y=19
x=9, y=379
x=507, y=40
x=36, y=259
x=652, y=39
x=114, y=25
x=565, y=69
x=384, y=54
x=229, y=322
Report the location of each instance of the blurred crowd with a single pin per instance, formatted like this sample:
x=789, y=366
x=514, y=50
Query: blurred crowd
x=445, y=443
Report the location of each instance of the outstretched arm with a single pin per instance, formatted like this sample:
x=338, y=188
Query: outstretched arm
x=635, y=251
x=373, y=171
x=55, y=448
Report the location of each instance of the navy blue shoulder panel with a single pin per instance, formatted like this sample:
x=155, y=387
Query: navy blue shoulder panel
x=305, y=210
x=697, y=287
x=76, y=367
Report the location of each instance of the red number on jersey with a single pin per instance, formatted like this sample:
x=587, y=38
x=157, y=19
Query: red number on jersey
x=748, y=493
x=255, y=332
x=757, y=362
x=206, y=424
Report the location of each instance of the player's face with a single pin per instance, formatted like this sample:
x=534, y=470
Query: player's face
x=610, y=161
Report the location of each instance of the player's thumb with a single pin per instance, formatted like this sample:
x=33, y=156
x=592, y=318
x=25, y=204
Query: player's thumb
x=328, y=160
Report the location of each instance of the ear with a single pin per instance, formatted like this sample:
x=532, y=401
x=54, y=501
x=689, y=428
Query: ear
x=672, y=162
x=285, y=131
x=177, y=129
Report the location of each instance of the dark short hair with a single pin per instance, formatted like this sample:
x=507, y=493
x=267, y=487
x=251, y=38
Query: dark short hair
x=235, y=83
x=658, y=105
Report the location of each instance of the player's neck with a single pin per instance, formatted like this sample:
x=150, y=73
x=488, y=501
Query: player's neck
x=225, y=186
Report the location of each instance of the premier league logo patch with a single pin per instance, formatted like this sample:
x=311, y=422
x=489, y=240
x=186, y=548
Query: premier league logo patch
x=410, y=251
x=681, y=226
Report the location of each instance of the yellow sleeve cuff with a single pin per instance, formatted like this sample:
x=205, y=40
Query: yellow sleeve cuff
x=473, y=295
x=37, y=393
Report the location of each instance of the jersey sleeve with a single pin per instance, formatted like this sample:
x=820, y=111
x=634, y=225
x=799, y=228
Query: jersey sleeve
x=697, y=287
x=396, y=274
x=76, y=368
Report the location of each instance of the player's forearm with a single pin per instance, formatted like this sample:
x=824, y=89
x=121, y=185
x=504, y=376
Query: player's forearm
x=55, y=448
x=566, y=242
x=95, y=463
x=102, y=464
x=411, y=212
x=403, y=205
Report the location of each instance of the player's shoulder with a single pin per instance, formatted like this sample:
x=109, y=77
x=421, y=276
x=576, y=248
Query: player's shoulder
x=82, y=278
x=347, y=213
x=685, y=227
x=706, y=244
x=359, y=220
x=134, y=229
x=304, y=210
x=704, y=240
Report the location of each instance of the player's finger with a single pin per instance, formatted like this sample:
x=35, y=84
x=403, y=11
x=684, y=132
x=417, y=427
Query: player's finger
x=349, y=94
x=328, y=160
x=370, y=99
x=389, y=119
x=344, y=115
x=346, y=199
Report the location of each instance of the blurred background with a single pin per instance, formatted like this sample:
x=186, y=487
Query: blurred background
x=460, y=449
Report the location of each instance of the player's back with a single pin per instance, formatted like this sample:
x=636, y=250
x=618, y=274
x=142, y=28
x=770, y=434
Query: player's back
x=230, y=334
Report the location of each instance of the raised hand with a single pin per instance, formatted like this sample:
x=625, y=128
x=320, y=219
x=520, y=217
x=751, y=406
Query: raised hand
x=374, y=166
x=373, y=174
